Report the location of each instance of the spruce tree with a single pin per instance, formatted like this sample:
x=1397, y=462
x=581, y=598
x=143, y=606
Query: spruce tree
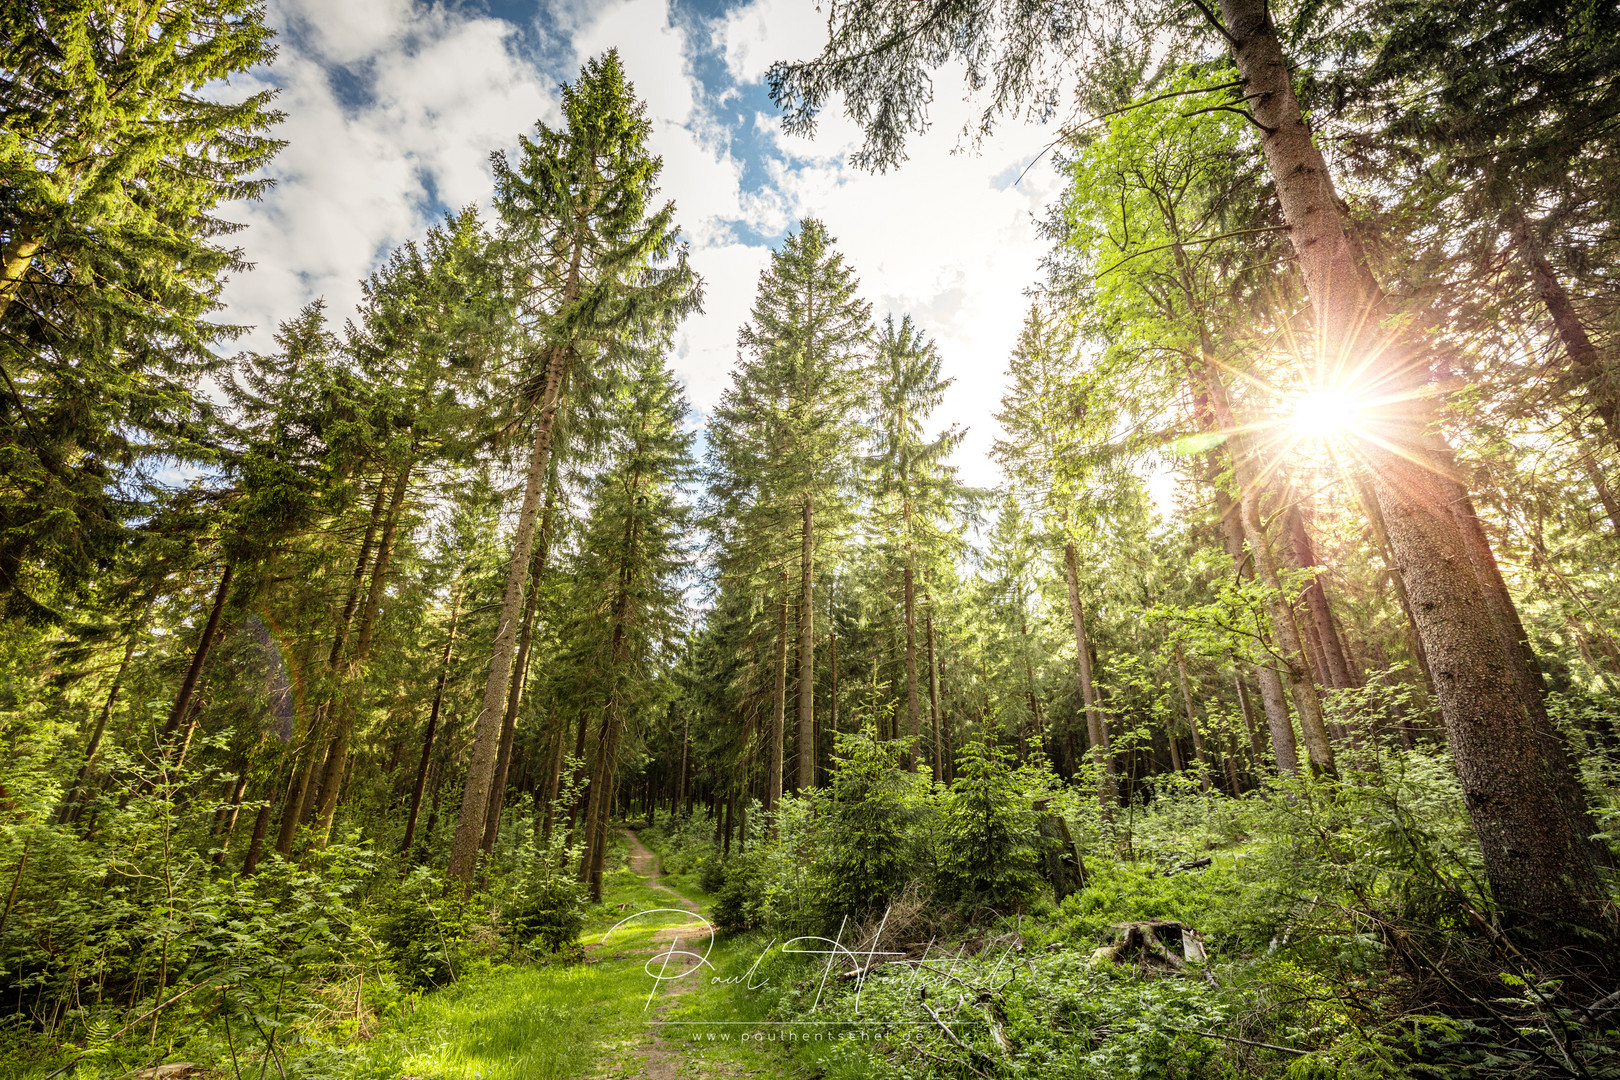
x=790, y=413
x=113, y=161
x=596, y=274
x=915, y=494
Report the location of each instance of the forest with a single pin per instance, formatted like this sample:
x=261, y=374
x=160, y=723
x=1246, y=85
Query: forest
x=359, y=696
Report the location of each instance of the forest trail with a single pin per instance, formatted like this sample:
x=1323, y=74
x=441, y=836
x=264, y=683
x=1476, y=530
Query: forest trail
x=650, y=1053
x=645, y=863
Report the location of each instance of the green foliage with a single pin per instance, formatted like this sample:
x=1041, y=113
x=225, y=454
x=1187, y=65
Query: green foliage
x=430, y=931
x=989, y=844
x=867, y=845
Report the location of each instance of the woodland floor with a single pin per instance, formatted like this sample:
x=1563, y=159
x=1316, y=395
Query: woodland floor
x=596, y=1021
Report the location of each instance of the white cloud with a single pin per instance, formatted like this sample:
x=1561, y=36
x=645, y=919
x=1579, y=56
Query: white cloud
x=937, y=238
x=753, y=37
x=358, y=179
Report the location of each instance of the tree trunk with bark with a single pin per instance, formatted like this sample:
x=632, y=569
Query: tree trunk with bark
x=1539, y=870
x=807, y=652
x=433, y=721
x=492, y=710
x=774, y=758
x=1096, y=730
x=1192, y=720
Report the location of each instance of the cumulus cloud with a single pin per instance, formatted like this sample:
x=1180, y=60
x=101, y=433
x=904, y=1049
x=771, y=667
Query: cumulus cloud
x=394, y=105
x=427, y=94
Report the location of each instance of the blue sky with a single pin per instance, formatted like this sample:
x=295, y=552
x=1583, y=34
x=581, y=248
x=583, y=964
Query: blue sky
x=393, y=107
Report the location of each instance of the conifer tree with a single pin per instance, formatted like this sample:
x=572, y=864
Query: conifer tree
x=915, y=494
x=113, y=160
x=596, y=274
x=1050, y=428
x=793, y=403
x=627, y=597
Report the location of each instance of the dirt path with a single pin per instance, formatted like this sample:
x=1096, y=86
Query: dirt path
x=654, y=1056
x=645, y=863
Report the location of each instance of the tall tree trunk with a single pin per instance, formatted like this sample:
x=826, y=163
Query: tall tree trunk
x=1528, y=674
x=1397, y=578
x=69, y=806
x=337, y=757
x=1290, y=642
x=261, y=827
x=188, y=685
x=1273, y=699
x=913, y=710
x=1606, y=495
x=433, y=720
x=680, y=781
x=1567, y=323
x=807, y=653
x=1336, y=660
x=1256, y=742
x=520, y=666
x=933, y=692
x=1107, y=785
x=832, y=662
x=302, y=786
x=492, y=710
x=554, y=775
x=1539, y=869
x=1192, y=720
x=774, y=759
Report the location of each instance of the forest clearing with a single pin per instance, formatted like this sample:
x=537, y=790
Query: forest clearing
x=495, y=681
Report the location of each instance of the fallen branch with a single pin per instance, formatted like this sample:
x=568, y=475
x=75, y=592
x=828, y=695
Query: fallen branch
x=951, y=1035
x=1234, y=1038
x=75, y=1059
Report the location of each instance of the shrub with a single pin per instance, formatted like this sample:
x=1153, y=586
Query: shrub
x=870, y=826
x=990, y=841
x=428, y=932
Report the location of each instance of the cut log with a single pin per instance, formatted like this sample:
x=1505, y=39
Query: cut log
x=1062, y=864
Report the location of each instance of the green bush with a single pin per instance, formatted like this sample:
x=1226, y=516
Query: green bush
x=741, y=900
x=990, y=843
x=428, y=932
x=869, y=839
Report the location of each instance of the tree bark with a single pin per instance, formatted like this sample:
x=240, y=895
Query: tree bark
x=188, y=685
x=491, y=713
x=1539, y=870
x=337, y=757
x=832, y=662
x=913, y=710
x=1307, y=705
x=1567, y=323
x=17, y=258
x=933, y=693
x=433, y=721
x=1336, y=660
x=774, y=759
x=67, y=810
x=1192, y=720
x=1273, y=699
x=1606, y=495
x=1097, y=731
x=301, y=787
x=520, y=666
x=807, y=653
x=1529, y=677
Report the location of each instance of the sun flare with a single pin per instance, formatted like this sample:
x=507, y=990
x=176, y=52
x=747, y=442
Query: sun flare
x=1324, y=413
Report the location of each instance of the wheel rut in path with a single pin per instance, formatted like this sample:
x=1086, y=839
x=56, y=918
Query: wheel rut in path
x=656, y=1056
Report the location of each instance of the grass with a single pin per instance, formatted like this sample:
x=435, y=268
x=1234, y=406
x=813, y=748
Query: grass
x=548, y=1022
